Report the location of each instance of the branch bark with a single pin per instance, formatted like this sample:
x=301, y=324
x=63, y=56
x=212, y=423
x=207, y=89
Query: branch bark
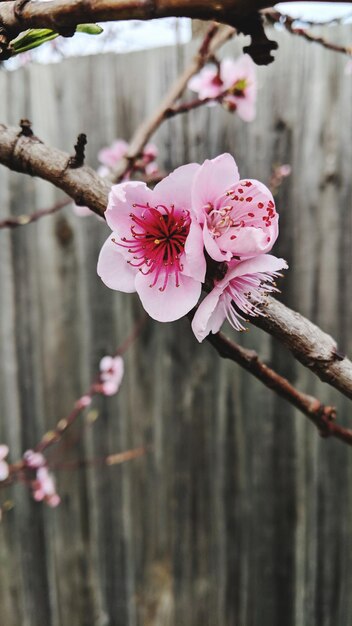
x=63, y=14
x=308, y=343
x=322, y=416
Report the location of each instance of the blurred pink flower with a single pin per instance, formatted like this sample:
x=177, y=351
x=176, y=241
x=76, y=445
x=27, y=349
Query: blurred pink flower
x=4, y=468
x=34, y=459
x=238, y=217
x=156, y=248
x=239, y=293
x=44, y=488
x=111, y=374
x=237, y=76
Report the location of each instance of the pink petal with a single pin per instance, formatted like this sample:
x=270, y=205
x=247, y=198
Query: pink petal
x=122, y=197
x=109, y=156
x=106, y=363
x=172, y=303
x=260, y=264
x=249, y=242
x=212, y=246
x=209, y=316
x=114, y=270
x=212, y=180
x=176, y=187
x=4, y=470
x=194, y=264
x=4, y=450
x=246, y=109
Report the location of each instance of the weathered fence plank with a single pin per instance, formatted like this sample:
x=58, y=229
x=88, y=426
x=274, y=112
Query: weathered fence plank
x=240, y=515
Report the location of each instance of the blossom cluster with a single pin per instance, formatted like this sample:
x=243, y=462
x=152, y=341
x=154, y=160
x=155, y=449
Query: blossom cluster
x=43, y=484
x=108, y=157
x=235, y=79
x=201, y=227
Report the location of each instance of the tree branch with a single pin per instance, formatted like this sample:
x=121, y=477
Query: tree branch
x=320, y=415
x=308, y=343
x=27, y=154
x=275, y=17
x=23, y=220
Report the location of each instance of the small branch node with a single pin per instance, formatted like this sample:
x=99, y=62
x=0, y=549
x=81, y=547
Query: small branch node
x=19, y=6
x=26, y=128
x=78, y=159
x=261, y=47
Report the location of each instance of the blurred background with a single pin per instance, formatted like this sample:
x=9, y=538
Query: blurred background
x=239, y=514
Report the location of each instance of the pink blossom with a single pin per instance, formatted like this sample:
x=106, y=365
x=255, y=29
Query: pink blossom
x=4, y=468
x=44, y=488
x=156, y=247
x=237, y=76
x=111, y=155
x=83, y=402
x=111, y=374
x=238, y=217
x=239, y=293
x=34, y=459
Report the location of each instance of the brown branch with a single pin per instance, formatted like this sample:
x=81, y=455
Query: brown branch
x=60, y=14
x=320, y=415
x=308, y=343
x=288, y=22
x=111, y=459
x=27, y=154
x=23, y=220
x=210, y=44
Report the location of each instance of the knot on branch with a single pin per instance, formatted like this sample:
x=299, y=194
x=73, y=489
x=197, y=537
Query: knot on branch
x=78, y=159
x=19, y=6
x=26, y=128
x=261, y=47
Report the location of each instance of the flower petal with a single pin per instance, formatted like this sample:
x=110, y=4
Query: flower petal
x=4, y=470
x=212, y=247
x=4, y=450
x=114, y=270
x=211, y=181
x=122, y=197
x=172, y=303
x=193, y=261
x=175, y=189
x=263, y=263
x=209, y=316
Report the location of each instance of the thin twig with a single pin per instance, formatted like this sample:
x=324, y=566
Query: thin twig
x=23, y=220
x=323, y=417
x=275, y=17
x=208, y=47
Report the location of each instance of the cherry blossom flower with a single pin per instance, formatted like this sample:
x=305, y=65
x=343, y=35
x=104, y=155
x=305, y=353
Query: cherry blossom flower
x=238, y=294
x=238, y=217
x=44, y=488
x=33, y=459
x=4, y=468
x=111, y=374
x=112, y=154
x=238, y=77
x=156, y=247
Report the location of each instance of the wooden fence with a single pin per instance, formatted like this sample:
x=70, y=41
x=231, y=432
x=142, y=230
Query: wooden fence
x=240, y=515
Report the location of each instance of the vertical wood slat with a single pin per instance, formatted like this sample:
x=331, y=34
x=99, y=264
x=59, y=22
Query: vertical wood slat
x=240, y=515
